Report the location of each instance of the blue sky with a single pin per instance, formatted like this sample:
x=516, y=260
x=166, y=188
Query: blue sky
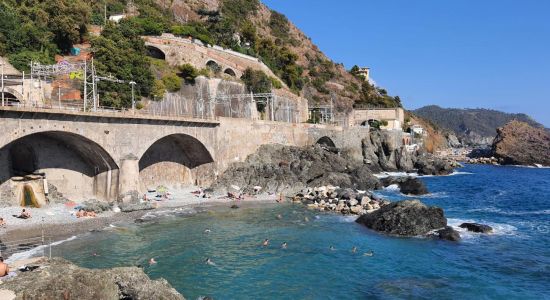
x=453, y=53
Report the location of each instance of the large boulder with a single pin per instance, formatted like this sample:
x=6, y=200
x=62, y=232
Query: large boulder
x=475, y=227
x=405, y=218
x=431, y=165
x=518, y=143
x=407, y=185
x=449, y=234
x=60, y=279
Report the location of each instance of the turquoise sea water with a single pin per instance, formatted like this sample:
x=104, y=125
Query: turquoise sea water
x=512, y=263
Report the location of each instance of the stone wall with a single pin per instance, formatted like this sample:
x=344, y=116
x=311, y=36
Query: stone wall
x=394, y=116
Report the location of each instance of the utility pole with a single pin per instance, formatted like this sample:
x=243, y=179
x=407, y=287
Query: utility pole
x=105, y=12
x=59, y=95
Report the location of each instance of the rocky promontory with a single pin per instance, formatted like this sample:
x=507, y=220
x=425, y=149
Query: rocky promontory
x=518, y=143
x=59, y=279
x=405, y=218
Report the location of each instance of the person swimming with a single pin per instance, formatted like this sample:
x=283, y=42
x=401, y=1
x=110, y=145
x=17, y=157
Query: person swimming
x=332, y=248
x=152, y=261
x=208, y=261
x=207, y=230
x=354, y=249
x=265, y=243
x=279, y=216
x=284, y=245
x=369, y=253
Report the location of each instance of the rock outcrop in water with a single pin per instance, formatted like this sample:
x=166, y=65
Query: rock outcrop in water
x=518, y=143
x=407, y=185
x=405, y=218
x=60, y=279
x=448, y=233
x=475, y=227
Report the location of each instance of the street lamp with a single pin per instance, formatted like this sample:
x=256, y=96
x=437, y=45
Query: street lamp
x=133, y=83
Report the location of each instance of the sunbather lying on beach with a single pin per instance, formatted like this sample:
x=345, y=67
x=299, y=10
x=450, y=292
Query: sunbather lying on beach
x=82, y=213
x=4, y=269
x=24, y=215
x=2, y=222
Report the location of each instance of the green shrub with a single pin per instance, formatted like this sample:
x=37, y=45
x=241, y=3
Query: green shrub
x=158, y=90
x=172, y=82
x=188, y=72
x=275, y=83
x=256, y=81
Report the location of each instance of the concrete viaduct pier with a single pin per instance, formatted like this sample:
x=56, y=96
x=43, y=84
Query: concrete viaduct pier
x=117, y=156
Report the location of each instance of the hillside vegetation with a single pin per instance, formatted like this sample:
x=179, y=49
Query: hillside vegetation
x=472, y=126
x=38, y=30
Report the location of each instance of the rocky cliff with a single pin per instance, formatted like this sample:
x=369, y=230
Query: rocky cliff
x=60, y=279
x=518, y=143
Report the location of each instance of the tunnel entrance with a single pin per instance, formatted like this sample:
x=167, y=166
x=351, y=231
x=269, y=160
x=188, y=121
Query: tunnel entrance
x=79, y=168
x=174, y=160
x=155, y=52
x=326, y=141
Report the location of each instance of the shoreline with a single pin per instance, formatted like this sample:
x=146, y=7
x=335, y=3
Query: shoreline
x=72, y=227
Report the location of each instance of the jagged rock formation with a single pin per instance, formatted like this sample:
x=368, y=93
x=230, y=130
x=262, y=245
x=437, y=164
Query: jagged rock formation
x=60, y=279
x=518, y=143
x=407, y=185
x=289, y=169
x=473, y=127
x=405, y=218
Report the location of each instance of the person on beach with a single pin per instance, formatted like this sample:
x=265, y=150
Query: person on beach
x=90, y=214
x=4, y=269
x=80, y=213
x=24, y=214
x=284, y=245
x=265, y=243
x=2, y=222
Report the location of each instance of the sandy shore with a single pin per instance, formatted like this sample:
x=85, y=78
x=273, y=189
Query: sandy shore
x=58, y=221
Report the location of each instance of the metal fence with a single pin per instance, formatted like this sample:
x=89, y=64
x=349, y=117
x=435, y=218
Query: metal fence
x=74, y=107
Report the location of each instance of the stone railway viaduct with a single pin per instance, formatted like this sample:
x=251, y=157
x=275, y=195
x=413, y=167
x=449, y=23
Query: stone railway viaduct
x=117, y=156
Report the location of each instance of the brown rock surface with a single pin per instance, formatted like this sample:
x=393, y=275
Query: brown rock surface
x=518, y=143
x=60, y=279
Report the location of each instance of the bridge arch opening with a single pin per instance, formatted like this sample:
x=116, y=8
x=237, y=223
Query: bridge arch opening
x=213, y=66
x=11, y=96
x=77, y=167
x=326, y=141
x=155, y=52
x=174, y=160
x=230, y=72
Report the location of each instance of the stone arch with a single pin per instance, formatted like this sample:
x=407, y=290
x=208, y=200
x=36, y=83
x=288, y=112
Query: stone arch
x=213, y=66
x=230, y=72
x=78, y=167
x=326, y=141
x=11, y=95
x=155, y=52
x=174, y=160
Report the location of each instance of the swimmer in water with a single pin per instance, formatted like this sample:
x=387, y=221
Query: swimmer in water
x=265, y=243
x=370, y=253
x=95, y=254
x=152, y=261
x=306, y=219
x=354, y=249
x=208, y=261
x=332, y=248
x=284, y=245
x=279, y=216
x=207, y=230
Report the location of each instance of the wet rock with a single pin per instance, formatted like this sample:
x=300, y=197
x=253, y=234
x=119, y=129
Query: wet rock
x=449, y=234
x=60, y=279
x=405, y=218
x=407, y=185
x=475, y=227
